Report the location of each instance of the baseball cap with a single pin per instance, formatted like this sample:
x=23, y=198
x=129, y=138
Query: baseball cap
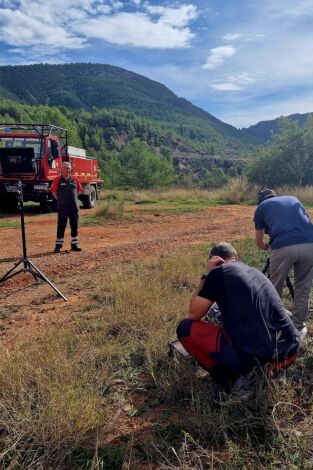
x=265, y=194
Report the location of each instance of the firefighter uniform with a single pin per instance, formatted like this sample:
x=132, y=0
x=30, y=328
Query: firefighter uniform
x=68, y=208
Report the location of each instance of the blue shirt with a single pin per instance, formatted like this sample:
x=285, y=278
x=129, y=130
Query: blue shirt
x=284, y=219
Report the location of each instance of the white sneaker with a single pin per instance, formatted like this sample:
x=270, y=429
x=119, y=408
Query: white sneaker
x=303, y=332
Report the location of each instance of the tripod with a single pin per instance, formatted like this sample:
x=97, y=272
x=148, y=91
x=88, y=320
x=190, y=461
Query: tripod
x=266, y=270
x=29, y=266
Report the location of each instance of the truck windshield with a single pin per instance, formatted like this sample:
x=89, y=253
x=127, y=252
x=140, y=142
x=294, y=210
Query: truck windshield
x=21, y=142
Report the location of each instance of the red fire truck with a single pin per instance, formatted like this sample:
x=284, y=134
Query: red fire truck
x=33, y=153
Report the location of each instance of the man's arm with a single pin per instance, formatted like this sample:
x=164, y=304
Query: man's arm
x=79, y=186
x=54, y=187
x=259, y=240
x=199, y=306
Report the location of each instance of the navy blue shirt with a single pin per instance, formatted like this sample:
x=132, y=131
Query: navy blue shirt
x=285, y=220
x=252, y=312
x=67, y=194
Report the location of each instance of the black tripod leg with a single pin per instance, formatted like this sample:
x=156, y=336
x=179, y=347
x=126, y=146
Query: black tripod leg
x=290, y=287
x=37, y=273
x=266, y=267
x=29, y=270
x=10, y=273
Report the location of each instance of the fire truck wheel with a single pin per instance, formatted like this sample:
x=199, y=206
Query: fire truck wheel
x=89, y=200
x=47, y=206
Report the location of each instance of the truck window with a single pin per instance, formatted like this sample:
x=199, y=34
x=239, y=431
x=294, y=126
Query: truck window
x=20, y=142
x=52, y=153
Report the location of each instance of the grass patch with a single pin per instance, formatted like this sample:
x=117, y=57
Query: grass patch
x=172, y=210
x=9, y=224
x=110, y=210
x=62, y=395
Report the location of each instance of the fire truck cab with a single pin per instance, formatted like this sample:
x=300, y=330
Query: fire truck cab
x=33, y=153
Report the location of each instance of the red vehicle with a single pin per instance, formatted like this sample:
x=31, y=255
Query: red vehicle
x=33, y=153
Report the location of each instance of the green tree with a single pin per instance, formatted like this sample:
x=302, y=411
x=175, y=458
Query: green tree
x=142, y=168
x=288, y=161
x=214, y=178
x=232, y=172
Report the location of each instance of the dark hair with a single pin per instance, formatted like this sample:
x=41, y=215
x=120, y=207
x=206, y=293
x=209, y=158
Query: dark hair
x=224, y=250
x=264, y=194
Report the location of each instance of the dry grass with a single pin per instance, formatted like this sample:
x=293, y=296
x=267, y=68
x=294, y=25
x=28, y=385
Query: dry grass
x=62, y=394
x=236, y=191
x=50, y=400
x=304, y=194
x=110, y=210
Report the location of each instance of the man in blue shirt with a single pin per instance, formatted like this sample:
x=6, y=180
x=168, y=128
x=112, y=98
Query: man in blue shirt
x=286, y=222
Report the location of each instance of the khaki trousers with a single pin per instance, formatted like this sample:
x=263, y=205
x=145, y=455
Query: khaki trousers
x=300, y=257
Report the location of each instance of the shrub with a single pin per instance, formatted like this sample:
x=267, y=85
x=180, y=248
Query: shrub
x=110, y=210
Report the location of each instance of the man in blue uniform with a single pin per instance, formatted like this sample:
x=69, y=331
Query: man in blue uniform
x=286, y=222
x=65, y=190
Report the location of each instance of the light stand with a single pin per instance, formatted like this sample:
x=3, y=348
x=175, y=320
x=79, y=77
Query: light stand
x=29, y=266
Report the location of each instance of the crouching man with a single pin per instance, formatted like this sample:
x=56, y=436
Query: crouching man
x=257, y=329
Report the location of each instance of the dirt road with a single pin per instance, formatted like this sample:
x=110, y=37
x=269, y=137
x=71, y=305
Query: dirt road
x=26, y=305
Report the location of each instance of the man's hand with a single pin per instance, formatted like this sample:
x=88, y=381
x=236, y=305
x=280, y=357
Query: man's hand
x=214, y=262
x=259, y=240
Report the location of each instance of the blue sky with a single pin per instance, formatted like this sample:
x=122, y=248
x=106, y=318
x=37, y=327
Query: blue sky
x=242, y=61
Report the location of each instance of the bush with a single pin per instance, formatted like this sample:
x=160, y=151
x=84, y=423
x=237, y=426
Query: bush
x=110, y=210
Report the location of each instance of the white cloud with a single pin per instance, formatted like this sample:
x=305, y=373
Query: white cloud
x=104, y=9
x=218, y=55
x=32, y=24
x=20, y=30
x=226, y=86
x=232, y=36
x=233, y=82
x=117, y=5
x=177, y=17
x=138, y=30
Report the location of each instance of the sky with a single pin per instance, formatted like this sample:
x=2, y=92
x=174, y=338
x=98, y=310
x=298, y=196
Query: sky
x=243, y=61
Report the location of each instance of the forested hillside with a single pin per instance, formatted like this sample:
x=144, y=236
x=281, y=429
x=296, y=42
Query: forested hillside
x=263, y=131
x=88, y=86
x=132, y=150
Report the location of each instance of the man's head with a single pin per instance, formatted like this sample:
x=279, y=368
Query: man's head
x=224, y=250
x=265, y=194
x=66, y=170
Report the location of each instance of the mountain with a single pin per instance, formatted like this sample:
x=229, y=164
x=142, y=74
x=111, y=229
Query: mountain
x=263, y=131
x=88, y=86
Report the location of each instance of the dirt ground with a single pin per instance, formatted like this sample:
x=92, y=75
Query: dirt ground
x=26, y=306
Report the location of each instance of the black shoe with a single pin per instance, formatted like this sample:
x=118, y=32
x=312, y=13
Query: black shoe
x=76, y=248
x=57, y=249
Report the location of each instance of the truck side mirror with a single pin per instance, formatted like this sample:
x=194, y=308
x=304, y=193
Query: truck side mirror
x=55, y=149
